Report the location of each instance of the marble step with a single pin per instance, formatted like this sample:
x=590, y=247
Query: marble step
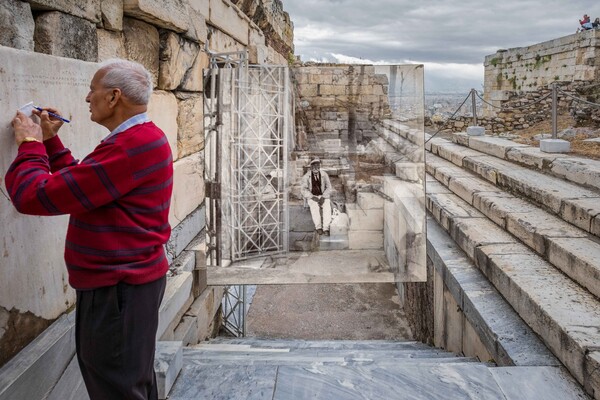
x=572, y=202
x=579, y=170
x=506, y=337
x=427, y=382
x=406, y=162
x=572, y=250
x=293, y=344
x=565, y=315
x=415, y=136
x=223, y=353
x=35, y=370
x=168, y=361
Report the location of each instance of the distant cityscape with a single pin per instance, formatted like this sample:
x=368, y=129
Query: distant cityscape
x=443, y=105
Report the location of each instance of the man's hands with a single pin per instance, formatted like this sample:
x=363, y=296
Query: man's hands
x=25, y=127
x=50, y=125
x=318, y=199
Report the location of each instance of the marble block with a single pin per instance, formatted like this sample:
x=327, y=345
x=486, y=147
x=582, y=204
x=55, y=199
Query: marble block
x=555, y=146
x=443, y=381
x=229, y=19
x=40, y=287
x=168, y=361
x=221, y=382
x=33, y=372
x=548, y=383
x=177, y=293
x=475, y=130
x=169, y=14
x=16, y=25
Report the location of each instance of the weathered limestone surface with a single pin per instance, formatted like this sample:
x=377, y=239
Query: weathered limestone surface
x=197, y=30
x=193, y=80
x=67, y=36
x=183, y=234
x=110, y=45
x=142, y=45
x=112, y=14
x=220, y=42
x=273, y=21
x=190, y=137
x=201, y=6
x=171, y=14
x=177, y=293
x=188, y=187
x=177, y=55
x=229, y=19
x=257, y=49
x=87, y=9
x=16, y=25
x=162, y=110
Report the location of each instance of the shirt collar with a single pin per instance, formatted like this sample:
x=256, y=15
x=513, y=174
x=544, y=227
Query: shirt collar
x=129, y=123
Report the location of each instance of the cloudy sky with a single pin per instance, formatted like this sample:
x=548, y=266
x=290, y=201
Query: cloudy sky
x=450, y=37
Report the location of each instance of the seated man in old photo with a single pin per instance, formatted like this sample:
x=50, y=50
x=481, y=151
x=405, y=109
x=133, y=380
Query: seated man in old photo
x=316, y=189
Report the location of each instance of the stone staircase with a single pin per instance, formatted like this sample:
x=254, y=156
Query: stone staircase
x=529, y=223
x=294, y=369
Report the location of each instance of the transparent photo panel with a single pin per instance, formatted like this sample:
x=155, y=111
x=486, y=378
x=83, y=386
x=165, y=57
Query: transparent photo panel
x=315, y=174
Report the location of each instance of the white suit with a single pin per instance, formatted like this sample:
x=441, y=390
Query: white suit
x=306, y=190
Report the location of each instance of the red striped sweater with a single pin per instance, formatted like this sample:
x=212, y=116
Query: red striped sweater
x=118, y=198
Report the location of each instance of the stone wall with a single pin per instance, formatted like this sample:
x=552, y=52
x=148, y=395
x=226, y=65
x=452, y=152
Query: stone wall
x=48, y=54
x=524, y=109
x=339, y=102
x=517, y=78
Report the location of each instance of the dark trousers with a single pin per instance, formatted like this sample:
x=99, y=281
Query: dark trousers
x=115, y=339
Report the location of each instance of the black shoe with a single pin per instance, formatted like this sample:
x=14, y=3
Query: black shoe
x=326, y=233
x=320, y=231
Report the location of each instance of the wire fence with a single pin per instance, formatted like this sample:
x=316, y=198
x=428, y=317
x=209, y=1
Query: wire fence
x=555, y=90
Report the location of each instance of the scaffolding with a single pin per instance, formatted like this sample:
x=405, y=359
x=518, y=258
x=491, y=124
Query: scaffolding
x=248, y=125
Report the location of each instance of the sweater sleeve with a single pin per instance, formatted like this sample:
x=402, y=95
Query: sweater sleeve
x=102, y=177
x=59, y=156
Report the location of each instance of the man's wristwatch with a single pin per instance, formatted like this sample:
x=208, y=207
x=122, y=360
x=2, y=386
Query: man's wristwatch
x=30, y=139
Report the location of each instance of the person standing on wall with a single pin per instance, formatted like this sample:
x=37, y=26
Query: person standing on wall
x=118, y=198
x=316, y=189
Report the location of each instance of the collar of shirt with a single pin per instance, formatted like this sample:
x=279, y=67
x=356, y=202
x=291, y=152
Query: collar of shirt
x=131, y=122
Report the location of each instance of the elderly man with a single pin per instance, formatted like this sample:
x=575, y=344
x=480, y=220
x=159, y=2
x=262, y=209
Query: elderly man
x=316, y=189
x=118, y=199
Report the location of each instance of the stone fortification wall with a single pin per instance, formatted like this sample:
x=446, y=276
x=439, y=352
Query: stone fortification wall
x=48, y=54
x=520, y=77
x=339, y=102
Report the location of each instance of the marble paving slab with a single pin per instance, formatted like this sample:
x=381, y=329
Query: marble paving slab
x=443, y=382
x=225, y=382
x=548, y=383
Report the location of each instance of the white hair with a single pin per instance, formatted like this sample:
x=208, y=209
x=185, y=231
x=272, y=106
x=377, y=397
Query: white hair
x=131, y=77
